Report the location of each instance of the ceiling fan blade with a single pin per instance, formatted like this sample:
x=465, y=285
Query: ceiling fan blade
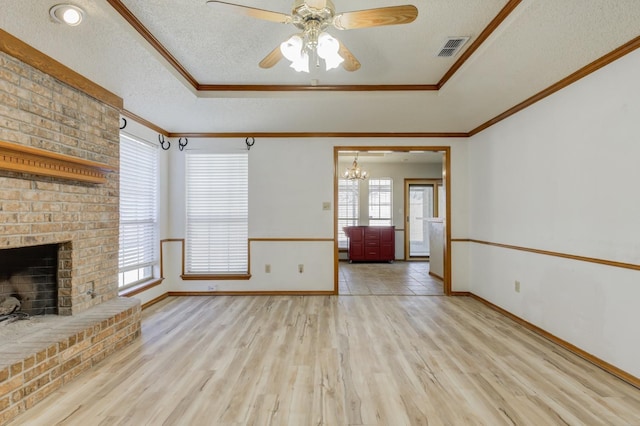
x=392, y=15
x=266, y=15
x=350, y=62
x=272, y=58
x=316, y=4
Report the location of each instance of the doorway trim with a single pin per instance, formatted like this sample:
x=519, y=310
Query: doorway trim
x=446, y=180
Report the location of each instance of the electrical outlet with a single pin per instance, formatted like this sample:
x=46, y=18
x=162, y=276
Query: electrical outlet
x=517, y=286
x=267, y=268
x=301, y=268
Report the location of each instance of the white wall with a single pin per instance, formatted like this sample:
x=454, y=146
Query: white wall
x=289, y=180
x=563, y=176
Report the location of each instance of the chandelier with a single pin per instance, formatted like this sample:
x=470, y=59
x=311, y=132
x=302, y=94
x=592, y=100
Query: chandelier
x=355, y=172
x=311, y=46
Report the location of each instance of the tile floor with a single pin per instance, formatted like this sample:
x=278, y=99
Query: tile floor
x=398, y=278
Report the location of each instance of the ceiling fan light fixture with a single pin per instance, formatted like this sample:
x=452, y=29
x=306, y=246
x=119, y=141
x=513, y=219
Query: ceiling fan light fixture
x=302, y=64
x=296, y=49
x=293, y=50
x=312, y=17
x=327, y=49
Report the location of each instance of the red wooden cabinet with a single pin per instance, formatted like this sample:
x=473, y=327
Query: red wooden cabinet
x=371, y=243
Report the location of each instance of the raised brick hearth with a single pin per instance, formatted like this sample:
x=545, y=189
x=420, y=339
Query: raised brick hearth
x=39, y=112
x=44, y=358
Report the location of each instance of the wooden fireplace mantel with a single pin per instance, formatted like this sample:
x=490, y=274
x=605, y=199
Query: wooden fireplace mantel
x=24, y=159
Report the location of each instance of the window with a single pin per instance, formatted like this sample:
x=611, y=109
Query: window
x=217, y=213
x=380, y=201
x=348, y=207
x=138, y=211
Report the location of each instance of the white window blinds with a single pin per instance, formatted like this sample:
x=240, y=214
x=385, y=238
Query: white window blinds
x=217, y=213
x=348, y=207
x=138, y=210
x=380, y=201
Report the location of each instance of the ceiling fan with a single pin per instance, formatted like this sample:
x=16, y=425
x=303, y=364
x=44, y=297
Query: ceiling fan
x=313, y=17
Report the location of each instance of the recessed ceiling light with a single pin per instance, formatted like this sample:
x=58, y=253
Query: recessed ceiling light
x=66, y=14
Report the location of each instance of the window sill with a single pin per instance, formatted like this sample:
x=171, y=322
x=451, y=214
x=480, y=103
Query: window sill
x=139, y=288
x=188, y=277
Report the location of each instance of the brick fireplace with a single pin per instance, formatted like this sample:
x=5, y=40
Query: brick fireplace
x=76, y=219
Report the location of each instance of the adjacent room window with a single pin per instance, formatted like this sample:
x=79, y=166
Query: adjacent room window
x=380, y=202
x=348, y=207
x=217, y=202
x=137, y=255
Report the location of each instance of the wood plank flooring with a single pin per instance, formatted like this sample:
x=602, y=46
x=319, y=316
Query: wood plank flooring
x=337, y=360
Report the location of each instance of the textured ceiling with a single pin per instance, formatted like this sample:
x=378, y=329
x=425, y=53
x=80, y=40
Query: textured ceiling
x=219, y=48
x=538, y=44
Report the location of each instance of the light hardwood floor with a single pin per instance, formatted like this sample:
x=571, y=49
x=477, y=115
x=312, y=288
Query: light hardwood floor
x=337, y=360
x=397, y=278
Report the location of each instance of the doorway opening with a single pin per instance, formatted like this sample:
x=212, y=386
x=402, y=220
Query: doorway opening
x=424, y=204
x=396, y=174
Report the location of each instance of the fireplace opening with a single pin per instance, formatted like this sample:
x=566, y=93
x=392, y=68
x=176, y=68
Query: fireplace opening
x=29, y=281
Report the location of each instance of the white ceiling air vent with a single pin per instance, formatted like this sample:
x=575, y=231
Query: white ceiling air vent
x=451, y=46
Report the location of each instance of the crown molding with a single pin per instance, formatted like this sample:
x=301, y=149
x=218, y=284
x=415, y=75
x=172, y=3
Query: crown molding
x=570, y=79
x=320, y=135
